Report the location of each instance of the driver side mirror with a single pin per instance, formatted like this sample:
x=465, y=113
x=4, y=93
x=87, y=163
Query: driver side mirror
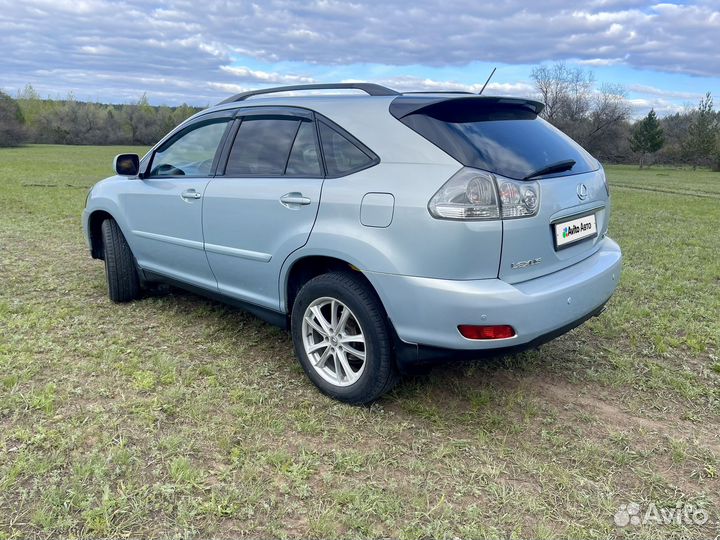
x=127, y=164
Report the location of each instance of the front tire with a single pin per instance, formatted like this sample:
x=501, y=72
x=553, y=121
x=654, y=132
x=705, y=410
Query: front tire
x=120, y=270
x=341, y=338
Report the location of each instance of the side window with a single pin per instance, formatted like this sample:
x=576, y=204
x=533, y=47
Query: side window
x=341, y=155
x=192, y=153
x=262, y=146
x=304, y=159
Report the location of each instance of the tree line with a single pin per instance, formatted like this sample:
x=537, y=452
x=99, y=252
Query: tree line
x=30, y=119
x=597, y=116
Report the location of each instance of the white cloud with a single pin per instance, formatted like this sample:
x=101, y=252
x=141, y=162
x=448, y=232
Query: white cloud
x=96, y=49
x=258, y=76
x=228, y=88
x=601, y=62
x=670, y=94
x=409, y=84
x=641, y=106
x=201, y=42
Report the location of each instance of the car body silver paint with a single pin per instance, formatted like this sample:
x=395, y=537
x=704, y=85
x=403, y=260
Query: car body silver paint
x=376, y=209
x=430, y=274
x=251, y=232
x=427, y=311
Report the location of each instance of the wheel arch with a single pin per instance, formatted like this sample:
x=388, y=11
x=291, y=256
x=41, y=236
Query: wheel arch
x=300, y=270
x=100, y=208
x=95, y=221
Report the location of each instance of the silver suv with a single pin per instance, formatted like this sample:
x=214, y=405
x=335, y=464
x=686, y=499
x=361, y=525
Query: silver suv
x=382, y=229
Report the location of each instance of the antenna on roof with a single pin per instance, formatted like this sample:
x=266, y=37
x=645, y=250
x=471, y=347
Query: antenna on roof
x=486, y=82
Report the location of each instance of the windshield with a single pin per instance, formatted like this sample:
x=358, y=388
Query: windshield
x=511, y=141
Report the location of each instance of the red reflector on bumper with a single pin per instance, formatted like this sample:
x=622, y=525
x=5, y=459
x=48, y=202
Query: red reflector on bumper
x=500, y=331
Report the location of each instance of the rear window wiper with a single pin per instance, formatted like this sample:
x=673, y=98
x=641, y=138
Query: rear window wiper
x=560, y=166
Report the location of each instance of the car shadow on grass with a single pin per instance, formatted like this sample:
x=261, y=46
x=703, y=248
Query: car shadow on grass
x=448, y=374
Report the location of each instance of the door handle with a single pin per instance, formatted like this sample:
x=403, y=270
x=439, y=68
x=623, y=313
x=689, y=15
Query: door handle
x=190, y=194
x=294, y=199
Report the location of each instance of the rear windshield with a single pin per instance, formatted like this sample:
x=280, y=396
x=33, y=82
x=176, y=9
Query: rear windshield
x=508, y=140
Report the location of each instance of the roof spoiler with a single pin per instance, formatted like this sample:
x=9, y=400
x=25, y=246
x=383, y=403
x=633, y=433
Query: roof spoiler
x=405, y=105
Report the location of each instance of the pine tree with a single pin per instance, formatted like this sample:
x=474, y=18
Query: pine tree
x=701, y=141
x=647, y=136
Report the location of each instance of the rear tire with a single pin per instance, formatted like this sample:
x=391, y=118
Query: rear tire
x=357, y=364
x=120, y=269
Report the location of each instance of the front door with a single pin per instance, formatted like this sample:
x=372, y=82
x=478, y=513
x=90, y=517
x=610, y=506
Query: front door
x=262, y=205
x=164, y=210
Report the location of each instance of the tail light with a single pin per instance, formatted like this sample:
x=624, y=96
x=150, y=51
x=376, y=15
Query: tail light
x=474, y=195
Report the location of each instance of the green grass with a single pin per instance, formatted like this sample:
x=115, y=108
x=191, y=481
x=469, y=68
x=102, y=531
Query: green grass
x=178, y=416
x=680, y=180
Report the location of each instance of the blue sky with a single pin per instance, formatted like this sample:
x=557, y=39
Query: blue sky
x=664, y=54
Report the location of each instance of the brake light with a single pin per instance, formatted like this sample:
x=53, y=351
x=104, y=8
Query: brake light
x=469, y=195
x=498, y=331
x=475, y=195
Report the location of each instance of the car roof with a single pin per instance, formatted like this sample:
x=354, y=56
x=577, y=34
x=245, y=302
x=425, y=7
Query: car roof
x=404, y=102
x=372, y=119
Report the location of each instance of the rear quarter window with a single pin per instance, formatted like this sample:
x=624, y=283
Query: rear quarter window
x=342, y=156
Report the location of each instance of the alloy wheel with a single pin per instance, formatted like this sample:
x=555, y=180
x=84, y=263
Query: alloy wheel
x=334, y=341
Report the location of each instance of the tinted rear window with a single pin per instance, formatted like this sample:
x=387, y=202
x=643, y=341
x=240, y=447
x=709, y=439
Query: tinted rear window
x=508, y=140
x=262, y=146
x=341, y=155
x=304, y=159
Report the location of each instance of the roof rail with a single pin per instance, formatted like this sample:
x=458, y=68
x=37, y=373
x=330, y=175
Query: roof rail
x=439, y=92
x=369, y=88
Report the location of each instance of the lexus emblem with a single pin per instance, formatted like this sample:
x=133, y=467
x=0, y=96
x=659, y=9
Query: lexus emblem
x=582, y=191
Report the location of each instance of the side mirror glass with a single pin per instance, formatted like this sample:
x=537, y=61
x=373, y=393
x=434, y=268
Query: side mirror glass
x=127, y=164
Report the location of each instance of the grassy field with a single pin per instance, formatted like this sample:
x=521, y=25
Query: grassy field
x=177, y=416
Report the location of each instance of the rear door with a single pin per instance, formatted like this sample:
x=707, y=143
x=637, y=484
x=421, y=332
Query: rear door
x=262, y=204
x=572, y=219
x=507, y=138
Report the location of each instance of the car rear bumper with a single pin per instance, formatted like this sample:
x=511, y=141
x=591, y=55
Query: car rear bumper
x=427, y=312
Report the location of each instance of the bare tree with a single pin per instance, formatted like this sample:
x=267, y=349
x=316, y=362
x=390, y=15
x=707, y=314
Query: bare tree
x=675, y=126
x=566, y=92
x=588, y=114
x=609, y=109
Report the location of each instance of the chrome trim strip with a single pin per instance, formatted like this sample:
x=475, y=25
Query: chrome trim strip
x=170, y=239
x=572, y=213
x=241, y=253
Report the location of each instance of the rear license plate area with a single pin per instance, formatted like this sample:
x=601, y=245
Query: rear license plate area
x=574, y=230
